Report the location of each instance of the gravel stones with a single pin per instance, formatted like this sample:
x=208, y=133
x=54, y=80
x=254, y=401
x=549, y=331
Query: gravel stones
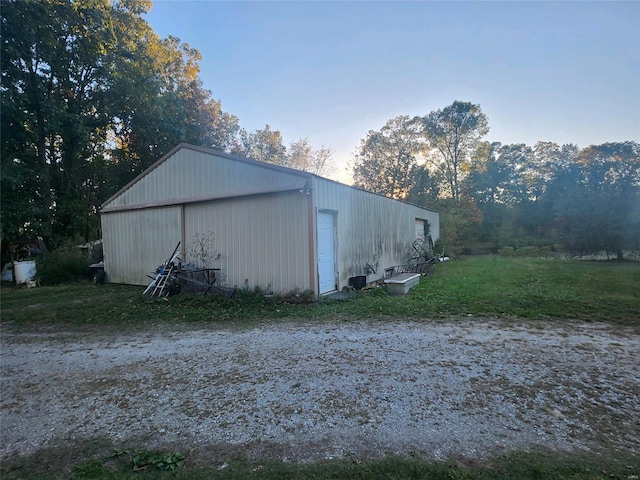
x=314, y=390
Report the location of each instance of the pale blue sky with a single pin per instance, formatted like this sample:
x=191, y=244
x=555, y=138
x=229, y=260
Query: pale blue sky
x=567, y=72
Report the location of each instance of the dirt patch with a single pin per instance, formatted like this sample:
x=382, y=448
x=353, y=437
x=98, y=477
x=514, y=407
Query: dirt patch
x=307, y=391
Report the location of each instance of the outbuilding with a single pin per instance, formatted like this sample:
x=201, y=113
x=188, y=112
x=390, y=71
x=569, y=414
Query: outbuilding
x=275, y=228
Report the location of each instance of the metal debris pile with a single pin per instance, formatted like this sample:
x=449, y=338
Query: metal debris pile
x=422, y=262
x=175, y=278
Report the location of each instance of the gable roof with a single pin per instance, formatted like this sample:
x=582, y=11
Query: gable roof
x=304, y=176
x=305, y=180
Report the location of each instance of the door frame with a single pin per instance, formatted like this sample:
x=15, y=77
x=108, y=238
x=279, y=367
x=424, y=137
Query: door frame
x=334, y=215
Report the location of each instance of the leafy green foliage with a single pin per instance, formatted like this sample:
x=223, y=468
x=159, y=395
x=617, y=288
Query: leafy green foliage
x=91, y=97
x=144, y=459
x=264, y=145
x=453, y=134
x=581, y=201
x=62, y=266
x=386, y=160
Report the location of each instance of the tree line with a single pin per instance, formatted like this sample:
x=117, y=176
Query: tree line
x=491, y=195
x=91, y=97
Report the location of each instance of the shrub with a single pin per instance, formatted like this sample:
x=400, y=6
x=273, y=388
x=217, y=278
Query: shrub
x=61, y=267
x=535, y=252
x=527, y=252
x=506, y=252
x=440, y=247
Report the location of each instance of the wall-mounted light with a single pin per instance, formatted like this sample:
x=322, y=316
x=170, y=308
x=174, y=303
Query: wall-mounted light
x=306, y=190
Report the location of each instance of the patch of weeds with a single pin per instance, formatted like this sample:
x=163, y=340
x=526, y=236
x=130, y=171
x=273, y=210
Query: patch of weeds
x=144, y=459
x=123, y=464
x=379, y=291
x=454, y=473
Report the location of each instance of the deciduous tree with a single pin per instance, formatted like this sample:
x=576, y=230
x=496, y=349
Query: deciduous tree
x=602, y=208
x=386, y=160
x=453, y=134
x=90, y=97
x=264, y=145
x=302, y=156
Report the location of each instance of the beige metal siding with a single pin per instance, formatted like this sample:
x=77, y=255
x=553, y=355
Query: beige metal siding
x=136, y=242
x=191, y=173
x=370, y=228
x=262, y=240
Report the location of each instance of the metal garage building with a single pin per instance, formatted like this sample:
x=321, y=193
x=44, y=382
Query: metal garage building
x=274, y=227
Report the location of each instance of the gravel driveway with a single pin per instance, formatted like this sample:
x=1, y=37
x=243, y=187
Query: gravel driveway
x=306, y=391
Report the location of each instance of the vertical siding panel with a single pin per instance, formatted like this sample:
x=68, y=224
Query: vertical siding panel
x=244, y=258
x=277, y=273
x=291, y=253
x=230, y=245
x=371, y=228
x=267, y=240
x=139, y=241
x=255, y=264
x=293, y=228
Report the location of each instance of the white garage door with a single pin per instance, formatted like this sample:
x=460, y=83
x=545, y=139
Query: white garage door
x=326, y=253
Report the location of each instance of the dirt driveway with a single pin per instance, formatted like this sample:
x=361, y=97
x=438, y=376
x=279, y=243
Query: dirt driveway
x=308, y=391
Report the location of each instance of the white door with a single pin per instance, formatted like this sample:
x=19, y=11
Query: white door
x=420, y=230
x=326, y=253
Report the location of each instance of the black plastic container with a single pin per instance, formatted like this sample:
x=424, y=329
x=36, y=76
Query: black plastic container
x=358, y=282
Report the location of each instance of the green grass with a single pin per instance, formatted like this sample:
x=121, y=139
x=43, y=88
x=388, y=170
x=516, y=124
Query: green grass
x=477, y=286
x=540, y=464
x=530, y=288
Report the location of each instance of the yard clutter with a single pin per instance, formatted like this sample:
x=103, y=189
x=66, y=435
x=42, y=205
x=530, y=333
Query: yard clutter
x=401, y=284
x=400, y=279
x=422, y=261
x=173, y=278
x=22, y=268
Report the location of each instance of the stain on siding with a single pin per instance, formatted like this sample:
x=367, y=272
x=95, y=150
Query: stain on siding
x=371, y=229
x=262, y=240
x=137, y=242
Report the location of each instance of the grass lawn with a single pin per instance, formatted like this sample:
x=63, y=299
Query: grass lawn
x=539, y=465
x=537, y=289
x=476, y=286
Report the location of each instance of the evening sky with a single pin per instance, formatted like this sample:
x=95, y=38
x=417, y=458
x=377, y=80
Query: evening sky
x=567, y=72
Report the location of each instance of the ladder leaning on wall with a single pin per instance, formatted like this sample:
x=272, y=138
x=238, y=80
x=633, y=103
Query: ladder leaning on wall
x=164, y=274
